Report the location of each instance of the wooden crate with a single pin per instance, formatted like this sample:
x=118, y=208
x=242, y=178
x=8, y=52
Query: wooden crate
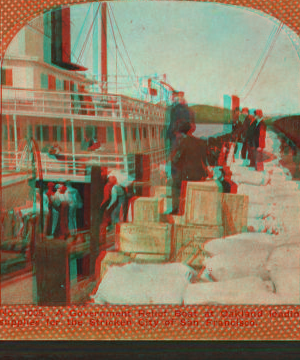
x=234, y=213
x=146, y=238
x=148, y=210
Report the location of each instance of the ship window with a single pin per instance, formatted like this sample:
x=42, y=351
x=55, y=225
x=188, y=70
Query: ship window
x=69, y=133
x=12, y=133
x=6, y=77
x=95, y=132
x=72, y=86
x=4, y=132
x=59, y=84
x=110, y=134
x=133, y=134
x=102, y=134
x=145, y=133
x=52, y=82
x=46, y=133
x=66, y=85
x=54, y=133
x=119, y=135
x=44, y=81
x=89, y=132
x=38, y=132
x=153, y=132
x=18, y=132
x=59, y=133
x=30, y=131
x=77, y=134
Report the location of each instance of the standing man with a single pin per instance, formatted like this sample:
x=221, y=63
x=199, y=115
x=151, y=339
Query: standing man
x=75, y=203
x=117, y=202
x=259, y=140
x=178, y=114
x=250, y=139
x=180, y=117
x=60, y=227
x=244, y=129
x=190, y=159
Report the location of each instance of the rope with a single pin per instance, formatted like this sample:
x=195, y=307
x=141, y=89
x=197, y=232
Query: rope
x=123, y=59
x=264, y=63
x=122, y=41
x=270, y=38
x=88, y=35
x=116, y=51
x=81, y=30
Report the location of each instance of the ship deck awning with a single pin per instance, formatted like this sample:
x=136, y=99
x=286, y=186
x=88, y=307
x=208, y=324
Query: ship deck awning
x=70, y=66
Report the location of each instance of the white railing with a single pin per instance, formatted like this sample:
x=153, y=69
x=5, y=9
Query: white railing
x=77, y=165
x=71, y=104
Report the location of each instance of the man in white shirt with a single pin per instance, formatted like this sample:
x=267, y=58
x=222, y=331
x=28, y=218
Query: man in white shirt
x=117, y=202
x=75, y=202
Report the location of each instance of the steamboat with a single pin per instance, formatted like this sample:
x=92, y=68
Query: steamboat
x=58, y=123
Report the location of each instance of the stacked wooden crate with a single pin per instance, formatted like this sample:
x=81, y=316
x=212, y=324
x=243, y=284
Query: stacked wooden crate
x=146, y=237
x=153, y=238
x=208, y=214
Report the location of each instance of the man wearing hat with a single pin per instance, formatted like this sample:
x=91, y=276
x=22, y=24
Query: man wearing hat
x=190, y=159
x=246, y=121
x=179, y=116
x=259, y=140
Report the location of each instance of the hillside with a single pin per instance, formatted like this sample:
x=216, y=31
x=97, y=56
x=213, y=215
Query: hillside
x=211, y=114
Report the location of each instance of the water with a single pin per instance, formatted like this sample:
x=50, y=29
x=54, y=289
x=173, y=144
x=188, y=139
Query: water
x=211, y=130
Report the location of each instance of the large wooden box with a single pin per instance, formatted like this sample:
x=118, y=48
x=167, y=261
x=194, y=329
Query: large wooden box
x=148, y=210
x=145, y=238
x=184, y=234
x=203, y=208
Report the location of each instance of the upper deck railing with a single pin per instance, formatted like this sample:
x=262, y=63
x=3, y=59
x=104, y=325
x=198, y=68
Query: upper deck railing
x=78, y=166
x=77, y=105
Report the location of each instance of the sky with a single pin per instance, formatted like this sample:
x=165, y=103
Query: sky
x=207, y=50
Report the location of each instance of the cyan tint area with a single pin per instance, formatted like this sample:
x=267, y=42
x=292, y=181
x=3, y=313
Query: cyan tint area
x=150, y=146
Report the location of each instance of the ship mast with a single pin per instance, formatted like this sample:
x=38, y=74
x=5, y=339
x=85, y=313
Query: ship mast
x=104, y=49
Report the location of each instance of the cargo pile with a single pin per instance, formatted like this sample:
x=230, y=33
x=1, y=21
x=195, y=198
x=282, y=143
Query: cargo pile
x=223, y=249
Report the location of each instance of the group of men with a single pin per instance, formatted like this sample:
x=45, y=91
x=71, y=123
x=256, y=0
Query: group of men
x=250, y=130
x=61, y=202
x=189, y=156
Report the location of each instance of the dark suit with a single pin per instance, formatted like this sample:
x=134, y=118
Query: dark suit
x=243, y=135
x=259, y=145
x=180, y=115
x=248, y=144
x=190, y=160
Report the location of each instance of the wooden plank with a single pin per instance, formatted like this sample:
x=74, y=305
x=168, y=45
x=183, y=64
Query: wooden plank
x=98, y=180
x=52, y=272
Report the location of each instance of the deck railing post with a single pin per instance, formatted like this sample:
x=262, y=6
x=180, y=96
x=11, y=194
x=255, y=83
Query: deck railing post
x=73, y=147
x=125, y=160
x=16, y=136
x=120, y=107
